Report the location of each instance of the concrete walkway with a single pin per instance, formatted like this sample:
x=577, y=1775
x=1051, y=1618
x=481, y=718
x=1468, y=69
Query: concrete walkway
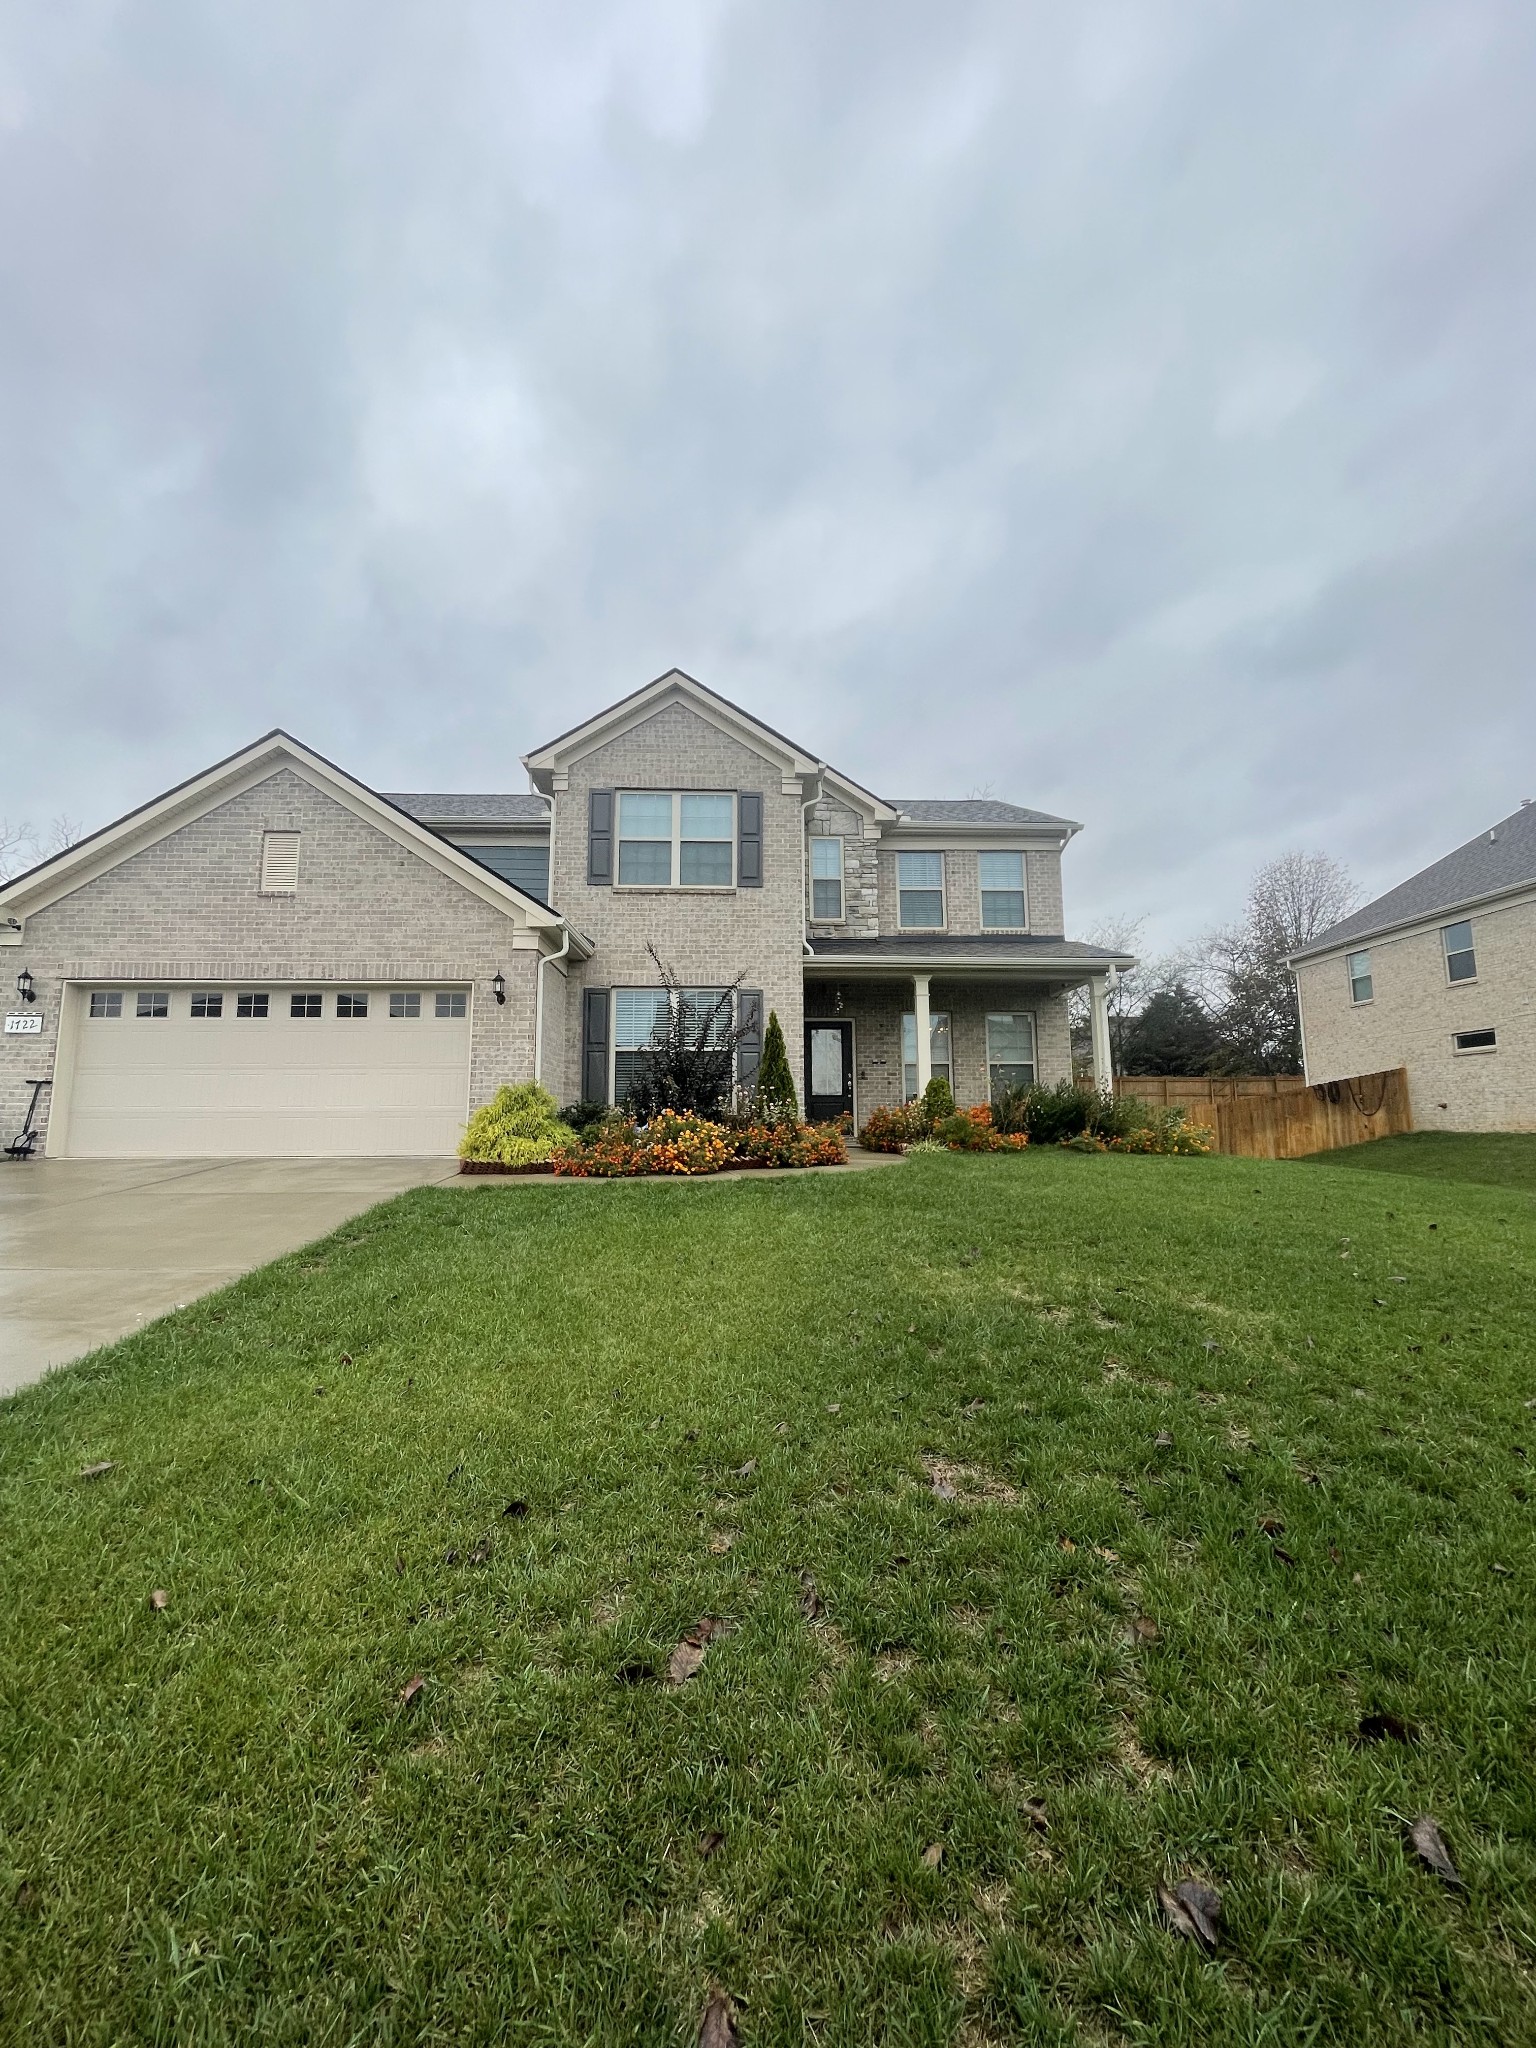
x=90, y=1249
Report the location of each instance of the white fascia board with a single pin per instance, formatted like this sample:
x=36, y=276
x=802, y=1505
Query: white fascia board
x=941, y=838
x=858, y=798
x=108, y=848
x=548, y=768
x=1512, y=898
x=1055, y=968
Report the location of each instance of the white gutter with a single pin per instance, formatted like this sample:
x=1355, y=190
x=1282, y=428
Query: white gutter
x=538, y=1001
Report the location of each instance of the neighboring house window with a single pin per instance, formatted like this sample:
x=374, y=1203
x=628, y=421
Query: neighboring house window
x=279, y=863
x=682, y=841
x=304, y=1002
x=252, y=1005
x=827, y=879
x=1460, y=959
x=405, y=1003
x=639, y=1012
x=938, y=1050
x=920, y=889
x=352, y=1002
x=1476, y=1041
x=106, y=1002
x=1360, y=989
x=450, y=1002
x=1002, y=891
x=1010, y=1051
x=208, y=1005
x=152, y=1002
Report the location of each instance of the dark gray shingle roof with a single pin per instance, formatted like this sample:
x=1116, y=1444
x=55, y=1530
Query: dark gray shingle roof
x=433, y=809
x=1503, y=858
x=970, y=810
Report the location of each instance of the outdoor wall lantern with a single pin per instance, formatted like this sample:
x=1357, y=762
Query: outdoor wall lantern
x=26, y=988
x=499, y=986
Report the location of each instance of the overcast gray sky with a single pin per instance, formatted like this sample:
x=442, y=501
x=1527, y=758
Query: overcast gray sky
x=1127, y=406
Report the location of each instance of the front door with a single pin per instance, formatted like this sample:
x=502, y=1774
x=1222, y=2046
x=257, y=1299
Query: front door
x=828, y=1071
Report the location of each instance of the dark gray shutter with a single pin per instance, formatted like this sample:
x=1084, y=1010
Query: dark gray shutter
x=594, y=1044
x=600, y=837
x=749, y=1047
x=749, y=839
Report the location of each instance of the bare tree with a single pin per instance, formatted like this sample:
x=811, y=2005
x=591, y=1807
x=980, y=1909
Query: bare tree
x=1291, y=901
x=22, y=846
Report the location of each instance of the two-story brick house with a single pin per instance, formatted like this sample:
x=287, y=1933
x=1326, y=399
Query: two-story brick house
x=273, y=958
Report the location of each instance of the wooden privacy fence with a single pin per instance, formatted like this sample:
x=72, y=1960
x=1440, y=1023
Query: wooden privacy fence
x=1293, y=1120
x=1195, y=1092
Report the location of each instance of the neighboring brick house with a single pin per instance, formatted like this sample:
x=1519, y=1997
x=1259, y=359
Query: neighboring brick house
x=1437, y=976
x=273, y=958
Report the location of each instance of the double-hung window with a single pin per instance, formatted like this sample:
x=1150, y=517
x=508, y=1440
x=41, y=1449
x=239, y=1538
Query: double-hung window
x=1010, y=1051
x=827, y=880
x=684, y=840
x=1361, y=988
x=1460, y=958
x=639, y=1014
x=1002, y=891
x=920, y=890
x=938, y=1050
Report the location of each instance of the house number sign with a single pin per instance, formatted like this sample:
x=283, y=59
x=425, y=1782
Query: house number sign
x=23, y=1024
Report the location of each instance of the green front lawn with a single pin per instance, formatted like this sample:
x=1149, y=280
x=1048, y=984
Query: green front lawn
x=1496, y=1158
x=1168, y=1494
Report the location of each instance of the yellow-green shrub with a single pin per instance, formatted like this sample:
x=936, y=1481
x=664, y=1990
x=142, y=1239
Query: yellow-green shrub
x=518, y=1127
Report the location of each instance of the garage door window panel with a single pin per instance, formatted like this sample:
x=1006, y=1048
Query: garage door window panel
x=106, y=1002
x=450, y=1002
x=405, y=1002
x=252, y=1003
x=304, y=1002
x=352, y=1002
x=207, y=1003
x=152, y=1002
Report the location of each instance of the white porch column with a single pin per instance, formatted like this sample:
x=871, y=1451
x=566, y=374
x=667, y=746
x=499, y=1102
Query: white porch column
x=1103, y=1066
x=924, y=1031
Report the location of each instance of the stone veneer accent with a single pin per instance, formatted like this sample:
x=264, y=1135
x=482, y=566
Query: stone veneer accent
x=188, y=909
x=861, y=871
x=1415, y=1012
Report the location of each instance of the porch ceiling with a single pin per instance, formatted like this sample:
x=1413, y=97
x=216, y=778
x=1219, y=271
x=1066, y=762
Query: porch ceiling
x=980, y=957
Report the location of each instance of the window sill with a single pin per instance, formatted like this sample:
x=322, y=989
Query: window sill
x=670, y=888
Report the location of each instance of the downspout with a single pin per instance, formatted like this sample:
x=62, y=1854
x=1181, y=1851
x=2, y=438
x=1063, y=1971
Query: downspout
x=538, y=1002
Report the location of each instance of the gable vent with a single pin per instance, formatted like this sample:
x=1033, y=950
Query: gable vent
x=279, y=863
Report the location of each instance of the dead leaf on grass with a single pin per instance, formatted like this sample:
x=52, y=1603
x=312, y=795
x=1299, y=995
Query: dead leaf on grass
x=1066, y=1543
x=810, y=1600
x=689, y=1654
x=1429, y=1844
x=942, y=1489
x=1192, y=1910
x=411, y=1691
x=746, y=1471
x=1145, y=1629
x=710, y=1842
x=1163, y=1441
x=159, y=1599
x=721, y=1542
x=96, y=1471
x=1035, y=1814
x=1109, y=1556
x=834, y=1407
x=717, y=2028
x=1271, y=1525
x=932, y=1856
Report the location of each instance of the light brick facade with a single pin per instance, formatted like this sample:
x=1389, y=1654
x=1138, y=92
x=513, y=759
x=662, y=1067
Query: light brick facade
x=383, y=903
x=1416, y=1011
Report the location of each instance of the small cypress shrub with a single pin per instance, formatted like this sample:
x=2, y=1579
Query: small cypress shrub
x=938, y=1101
x=776, y=1097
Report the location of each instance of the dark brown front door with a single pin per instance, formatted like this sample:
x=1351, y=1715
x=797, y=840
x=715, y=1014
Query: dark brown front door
x=828, y=1071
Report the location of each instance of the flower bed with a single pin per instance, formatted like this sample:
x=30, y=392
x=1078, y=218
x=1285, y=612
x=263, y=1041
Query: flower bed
x=689, y=1145
x=1071, y=1118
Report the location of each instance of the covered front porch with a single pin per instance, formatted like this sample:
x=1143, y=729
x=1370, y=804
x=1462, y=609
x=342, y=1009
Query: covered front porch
x=883, y=1016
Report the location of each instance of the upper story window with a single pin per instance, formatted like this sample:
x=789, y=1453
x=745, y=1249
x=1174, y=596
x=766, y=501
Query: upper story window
x=1361, y=989
x=827, y=879
x=680, y=840
x=920, y=889
x=1460, y=959
x=1002, y=891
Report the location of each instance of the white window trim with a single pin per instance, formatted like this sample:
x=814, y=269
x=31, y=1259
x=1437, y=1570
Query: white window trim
x=943, y=923
x=646, y=988
x=1473, y=1052
x=1350, y=977
x=1467, y=980
x=1023, y=894
x=675, y=797
x=986, y=1040
x=829, y=839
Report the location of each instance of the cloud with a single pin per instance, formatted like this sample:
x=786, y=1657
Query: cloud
x=1124, y=406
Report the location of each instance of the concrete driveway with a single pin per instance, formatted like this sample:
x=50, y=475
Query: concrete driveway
x=92, y=1249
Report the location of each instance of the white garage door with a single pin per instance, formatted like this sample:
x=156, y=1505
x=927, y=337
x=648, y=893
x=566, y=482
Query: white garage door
x=209, y=1073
